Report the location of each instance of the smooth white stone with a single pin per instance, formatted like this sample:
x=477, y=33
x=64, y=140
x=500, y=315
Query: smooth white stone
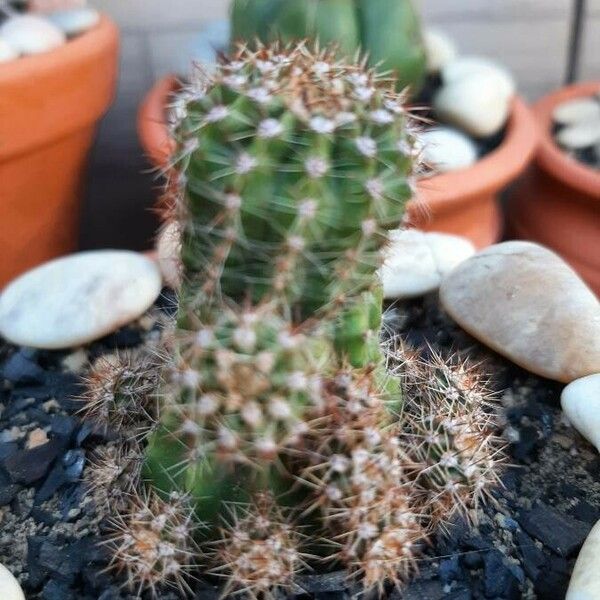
x=477, y=104
x=76, y=21
x=471, y=66
x=416, y=261
x=168, y=251
x=29, y=34
x=440, y=49
x=9, y=586
x=580, y=401
x=525, y=302
x=580, y=135
x=585, y=580
x=577, y=111
x=445, y=149
x=7, y=52
x=77, y=299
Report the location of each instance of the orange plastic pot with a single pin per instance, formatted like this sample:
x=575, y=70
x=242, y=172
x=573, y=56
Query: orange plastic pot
x=463, y=202
x=558, y=201
x=49, y=107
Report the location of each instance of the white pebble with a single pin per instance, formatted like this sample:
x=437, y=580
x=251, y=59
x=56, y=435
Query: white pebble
x=7, y=52
x=580, y=401
x=75, y=21
x=445, y=149
x=577, y=111
x=478, y=104
x=76, y=299
x=585, y=580
x=440, y=49
x=168, y=250
x=580, y=135
x=469, y=66
x=29, y=34
x=416, y=261
x=9, y=586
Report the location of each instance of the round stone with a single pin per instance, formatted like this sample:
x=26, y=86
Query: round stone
x=526, y=303
x=9, y=586
x=168, y=251
x=466, y=67
x=445, y=149
x=416, y=261
x=7, y=52
x=76, y=299
x=76, y=21
x=585, y=582
x=580, y=401
x=440, y=49
x=476, y=104
x=580, y=135
x=581, y=110
x=30, y=34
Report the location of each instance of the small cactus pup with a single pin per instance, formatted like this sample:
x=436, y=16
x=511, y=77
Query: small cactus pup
x=387, y=31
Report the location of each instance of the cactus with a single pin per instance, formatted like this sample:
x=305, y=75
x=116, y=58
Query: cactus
x=388, y=31
x=277, y=414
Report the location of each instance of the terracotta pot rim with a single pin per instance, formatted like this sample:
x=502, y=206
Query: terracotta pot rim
x=550, y=156
x=74, y=51
x=492, y=172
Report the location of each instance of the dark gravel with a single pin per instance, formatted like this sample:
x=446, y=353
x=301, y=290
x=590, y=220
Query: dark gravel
x=524, y=546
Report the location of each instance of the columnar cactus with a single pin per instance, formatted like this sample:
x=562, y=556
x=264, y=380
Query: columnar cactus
x=278, y=420
x=387, y=31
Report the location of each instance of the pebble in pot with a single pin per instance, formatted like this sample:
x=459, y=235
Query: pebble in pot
x=580, y=401
x=471, y=66
x=168, y=251
x=76, y=299
x=76, y=21
x=9, y=586
x=416, y=261
x=585, y=580
x=29, y=34
x=585, y=134
x=525, y=302
x=445, y=149
x=478, y=104
x=440, y=49
x=580, y=110
x=7, y=52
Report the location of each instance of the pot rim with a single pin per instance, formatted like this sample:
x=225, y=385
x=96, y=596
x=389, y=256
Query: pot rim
x=74, y=51
x=550, y=156
x=490, y=173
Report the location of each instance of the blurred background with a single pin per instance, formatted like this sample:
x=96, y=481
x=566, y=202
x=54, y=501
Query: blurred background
x=531, y=37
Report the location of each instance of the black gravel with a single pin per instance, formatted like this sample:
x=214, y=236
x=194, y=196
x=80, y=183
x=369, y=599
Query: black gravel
x=524, y=545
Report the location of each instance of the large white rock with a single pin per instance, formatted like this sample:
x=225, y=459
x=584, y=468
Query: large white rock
x=29, y=34
x=585, y=580
x=580, y=135
x=168, y=251
x=440, y=49
x=478, y=104
x=580, y=110
x=79, y=298
x=75, y=21
x=445, y=149
x=526, y=303
x=580, y=401
x=416, y=261
x=7, y=52
x=9, y=586
x=476, y=66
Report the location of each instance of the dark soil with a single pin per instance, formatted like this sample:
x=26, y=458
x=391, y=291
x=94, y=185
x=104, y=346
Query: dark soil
x=523, y=547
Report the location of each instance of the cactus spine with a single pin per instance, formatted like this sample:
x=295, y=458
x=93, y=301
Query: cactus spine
x=278, y=419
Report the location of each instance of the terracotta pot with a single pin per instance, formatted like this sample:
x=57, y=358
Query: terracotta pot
x=49, y=106
x=463, y=202
x=558, y=201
